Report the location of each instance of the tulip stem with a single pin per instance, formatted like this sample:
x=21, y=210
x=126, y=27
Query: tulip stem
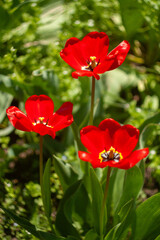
x=104, y=203
x=41, y=161
x=92, y=101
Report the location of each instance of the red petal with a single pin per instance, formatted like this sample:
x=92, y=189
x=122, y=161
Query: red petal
x=39, y=106
x=94, y=139
x=72, y=54
x=82, y=73
x=114, y=59
x=109, y=124
x=62, y=117
x=44, y=130
x=76, y=53
x=133, y=158
x=125, y=139
x=18, y=119
x=87, y=157
x=95, y=44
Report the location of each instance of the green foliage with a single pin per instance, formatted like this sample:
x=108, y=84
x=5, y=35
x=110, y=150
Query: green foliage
x=32, y=35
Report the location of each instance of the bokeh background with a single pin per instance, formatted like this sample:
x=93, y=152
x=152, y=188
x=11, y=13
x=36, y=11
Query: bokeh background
x=32, y=33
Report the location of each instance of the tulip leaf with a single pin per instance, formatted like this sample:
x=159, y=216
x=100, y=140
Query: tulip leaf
x=5, y=100
x=66, y=173
x=91, y=235
x=46, y=189
x=64, y=223
x=126, y=214
x=97, y=196
x=147, y=225
x=148, y=133
x=157, y=238
x=133, y=183
x=151, y=120
x=24, y=223
x=130, y=10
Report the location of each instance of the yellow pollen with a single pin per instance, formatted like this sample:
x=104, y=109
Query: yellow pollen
x=92, y=58
x=111, y=154
x=41, y=118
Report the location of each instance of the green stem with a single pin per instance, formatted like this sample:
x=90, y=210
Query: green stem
x=41, y=161
x=41, y=175
x=104, y=203
x=92, y=101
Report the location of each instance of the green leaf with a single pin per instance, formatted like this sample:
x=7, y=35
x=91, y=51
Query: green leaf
x=126, y=215
x=157, y=238
x=97, y=196
x=30, y=227
x=66, y=173
x=147, y=225
x=5, y=100
x=148, y=134
x=64, y=222
x=130, y=10
x=151, y=120
x=132, y=185
x=46, y=189
x=91, y=235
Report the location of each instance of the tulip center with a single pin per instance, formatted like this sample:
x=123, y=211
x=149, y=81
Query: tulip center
x=92, y=63
x=111, y=155
x=41, y=121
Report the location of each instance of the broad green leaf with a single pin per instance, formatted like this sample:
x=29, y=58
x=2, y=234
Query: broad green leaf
x=148, y=134
x=30, y=227
x=130, y=10
x=132, y=185
x=151, y=120
x=82, y=211
x=5, y=100
x=97, y=196
x=147, y=225
x=64, y=223
x=46, y=189
x=110, y=235
x=76, y=134
x=91, y=235
x=66, y=173
x=126, y=215
x=6, y=131
x=157, y=238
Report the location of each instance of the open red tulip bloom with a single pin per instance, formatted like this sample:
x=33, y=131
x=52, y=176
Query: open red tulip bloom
x=40, y=117
x=89, y=56
x=111, y=144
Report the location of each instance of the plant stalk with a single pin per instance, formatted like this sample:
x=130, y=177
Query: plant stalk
x=92, y=101
x=41, y=161
x=104, y=203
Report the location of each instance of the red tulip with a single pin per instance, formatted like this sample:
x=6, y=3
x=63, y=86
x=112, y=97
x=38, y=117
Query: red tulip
x=111, y=144
x=89, y=56
x=40, y=117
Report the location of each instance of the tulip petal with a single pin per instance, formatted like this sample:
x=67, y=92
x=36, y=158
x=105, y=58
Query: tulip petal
x=87, y=157
x=82, y=73
x=18, y=119
x=95, y=44
x=94, y=139
x=38, y=107
x=72, y=54
x=44, y=130
x=115, y=58
x=109, y=124
x=133, y=158
x=125, y=139
x=62, y=117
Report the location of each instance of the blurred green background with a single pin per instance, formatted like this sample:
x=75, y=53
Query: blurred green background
x=33, y=32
